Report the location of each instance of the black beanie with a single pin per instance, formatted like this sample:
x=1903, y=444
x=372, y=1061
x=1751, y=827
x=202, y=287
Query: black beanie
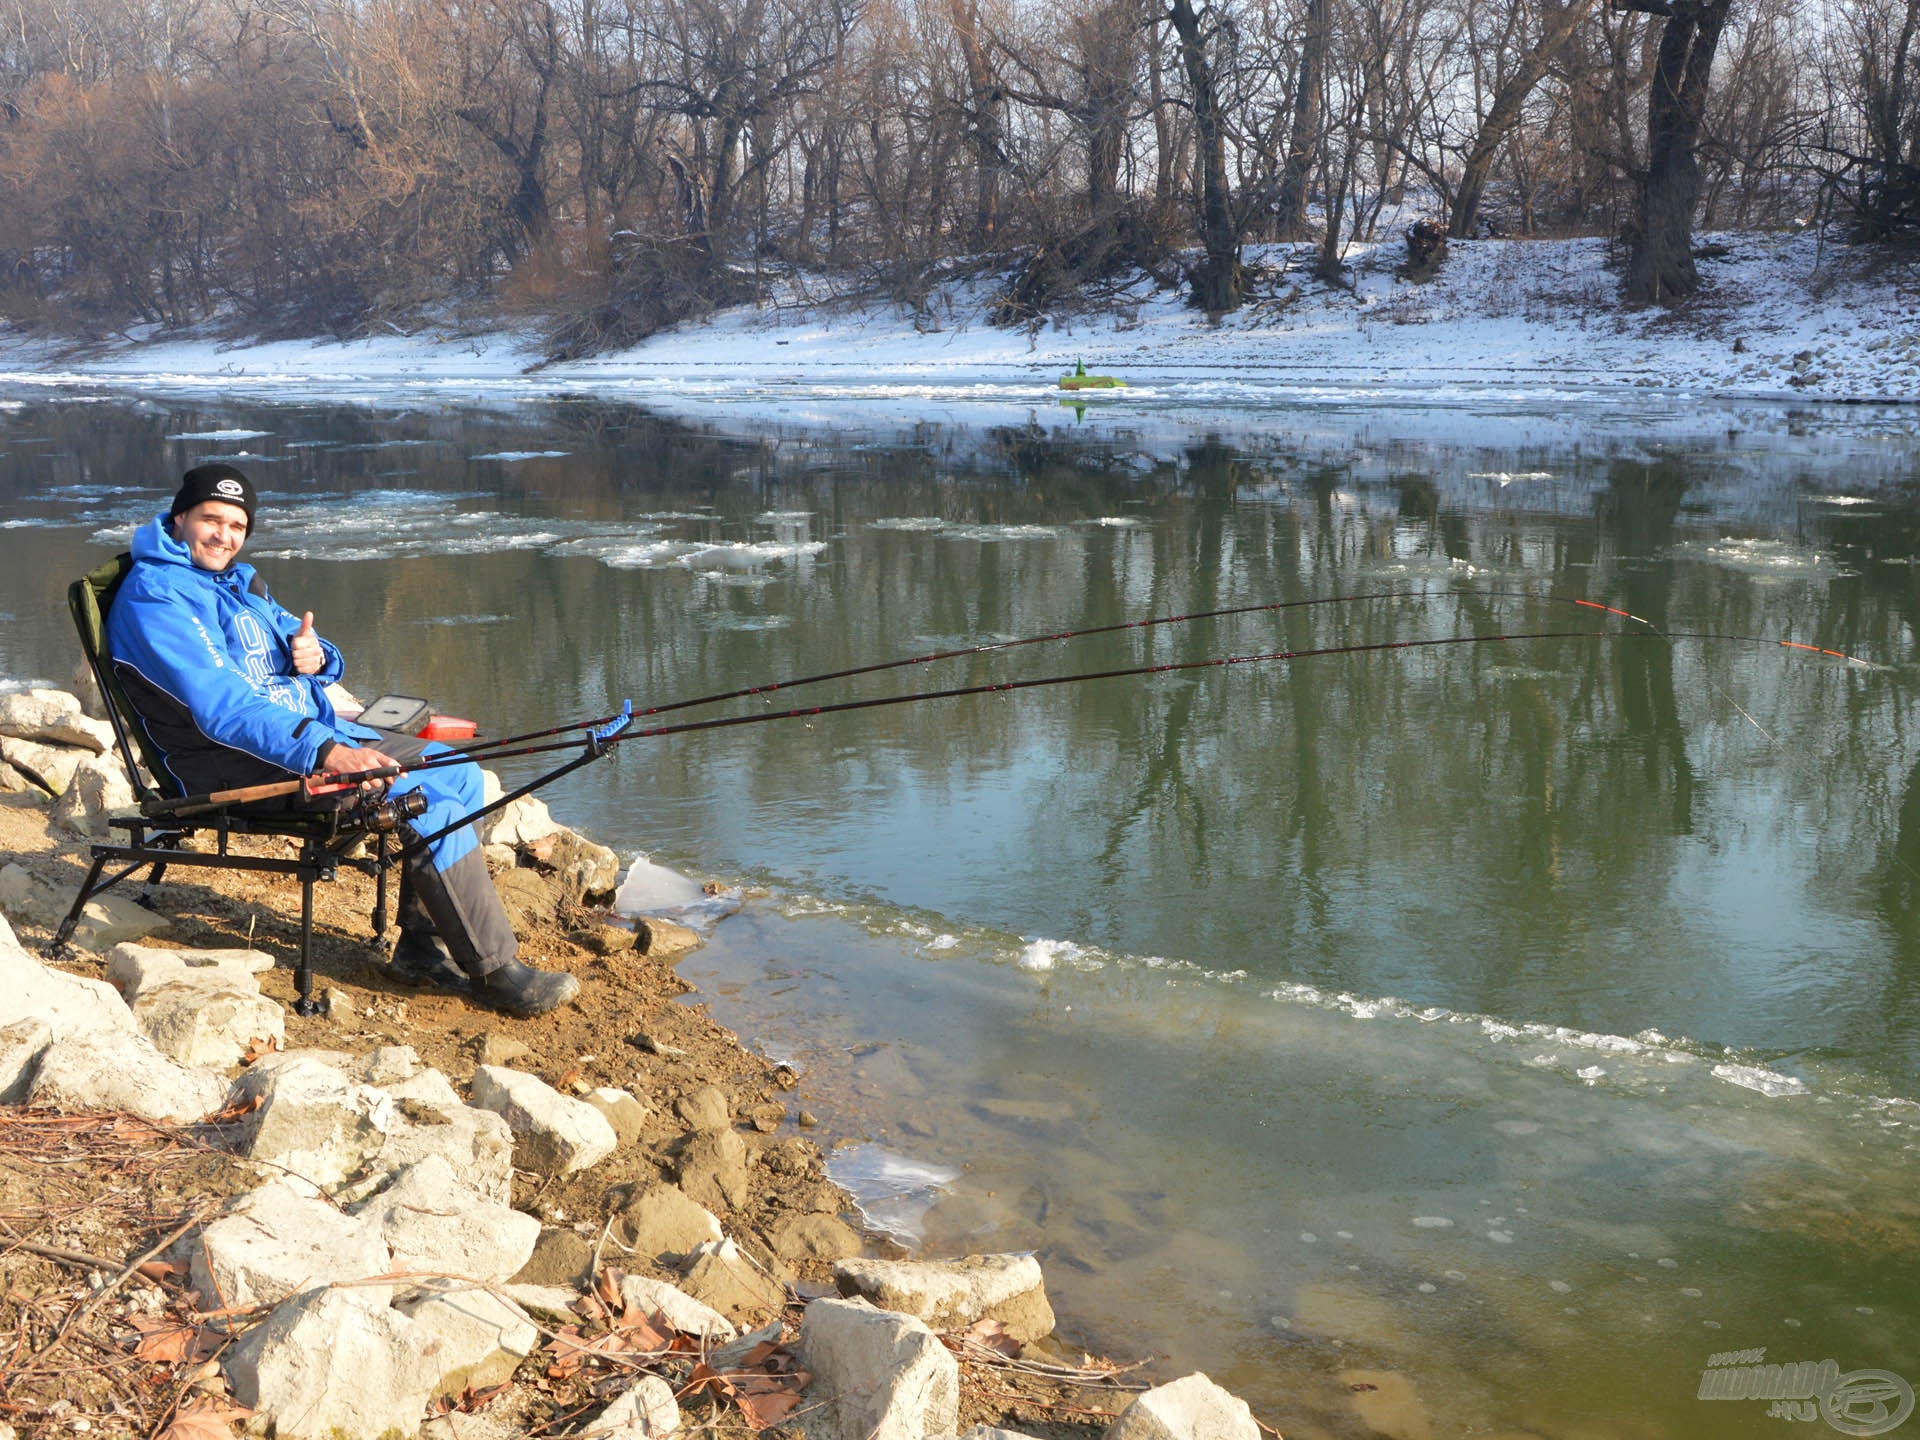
x=214, y=482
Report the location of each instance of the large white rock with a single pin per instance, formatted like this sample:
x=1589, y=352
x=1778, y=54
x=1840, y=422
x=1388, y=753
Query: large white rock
x=473, y=1338
x=680, y=1310
x=646, y=1412
x=121, y=1070
x=316, y=1120
x=50, y=767
x=332, y=1363
x=523, y=822
x=951, y=1294
x=96, y=790
x=52, y=717
x=214, y=1028
x=277, y=1241
x=132, y=968
x=202, y=1007
x=432, y=1221
x=552, y=1134
x=877, y=1375
x=22, y=1042
x=70, y=1005
x=1191, y=1408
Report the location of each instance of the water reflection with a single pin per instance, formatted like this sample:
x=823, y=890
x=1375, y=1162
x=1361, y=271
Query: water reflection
x=1214, y=987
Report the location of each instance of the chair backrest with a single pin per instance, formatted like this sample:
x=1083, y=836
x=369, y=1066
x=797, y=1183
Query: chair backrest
x=89, y=598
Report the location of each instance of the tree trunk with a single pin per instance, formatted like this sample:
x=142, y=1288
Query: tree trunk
x=1505, y=113
x=1217, y=284
x=983, y=121
x=1303, y=140
x=1660, y=264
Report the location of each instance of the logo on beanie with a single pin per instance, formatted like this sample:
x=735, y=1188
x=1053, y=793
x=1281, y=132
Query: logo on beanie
x=230, y=488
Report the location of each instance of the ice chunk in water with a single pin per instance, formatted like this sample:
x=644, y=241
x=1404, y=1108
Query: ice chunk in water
x=650, y=889
x=1770, y=1083
x=892, y=1192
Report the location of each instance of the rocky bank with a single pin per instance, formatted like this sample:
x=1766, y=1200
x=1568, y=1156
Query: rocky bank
x=412, y=1216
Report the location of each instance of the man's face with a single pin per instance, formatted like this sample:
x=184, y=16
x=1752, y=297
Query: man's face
x=213, y=532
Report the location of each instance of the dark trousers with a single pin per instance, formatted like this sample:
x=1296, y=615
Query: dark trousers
x=458, y=903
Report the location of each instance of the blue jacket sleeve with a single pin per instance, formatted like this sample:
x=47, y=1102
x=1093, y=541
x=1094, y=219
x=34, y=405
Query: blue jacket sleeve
x=174, y=640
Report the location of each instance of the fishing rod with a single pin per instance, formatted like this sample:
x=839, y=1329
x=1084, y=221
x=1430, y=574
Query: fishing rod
x=601, y=735
x=622, y=729
x=490, y=749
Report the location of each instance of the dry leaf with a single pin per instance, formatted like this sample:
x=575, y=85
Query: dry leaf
x=210, y=1419
x=157, y=1270
x=258, y=1048
x=991, y=1335
x=470, y=1400
x=164, y=1341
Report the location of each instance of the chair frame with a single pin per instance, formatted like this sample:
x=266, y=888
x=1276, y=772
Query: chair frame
x=325, y=834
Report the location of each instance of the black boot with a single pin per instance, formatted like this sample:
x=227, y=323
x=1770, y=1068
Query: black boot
x=521, y=990
x=420, y=959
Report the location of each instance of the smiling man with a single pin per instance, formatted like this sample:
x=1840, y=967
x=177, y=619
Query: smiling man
x=231, y=689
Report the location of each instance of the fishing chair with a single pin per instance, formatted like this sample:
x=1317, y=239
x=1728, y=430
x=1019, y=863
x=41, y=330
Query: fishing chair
x=325, y=831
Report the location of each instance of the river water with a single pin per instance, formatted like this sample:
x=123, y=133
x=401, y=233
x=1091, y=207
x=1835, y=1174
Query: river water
x=1480, y=1036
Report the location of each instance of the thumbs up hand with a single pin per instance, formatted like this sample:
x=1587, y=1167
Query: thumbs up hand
x=307, y=655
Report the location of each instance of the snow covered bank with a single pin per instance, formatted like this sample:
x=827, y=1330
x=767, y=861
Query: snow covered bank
x=1783, y=318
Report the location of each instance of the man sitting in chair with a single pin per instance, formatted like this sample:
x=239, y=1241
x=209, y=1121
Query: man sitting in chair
x=231, y=690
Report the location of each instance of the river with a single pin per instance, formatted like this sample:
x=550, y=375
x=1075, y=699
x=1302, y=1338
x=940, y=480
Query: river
x=1485, y=1036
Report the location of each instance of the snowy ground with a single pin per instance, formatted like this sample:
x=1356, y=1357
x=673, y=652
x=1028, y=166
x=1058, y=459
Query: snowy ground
x=1781, y=318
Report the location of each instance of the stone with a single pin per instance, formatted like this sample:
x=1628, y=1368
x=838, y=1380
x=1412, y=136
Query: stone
x=388, y=1065
x=474, y=1339
x=800, y=1238
x=131, y=968
x=680, y=1310
x=661, y=1224
x=587, y=873
x=560, y=1257
x=550, y=1302
x=278, y=1240
x=492, y=1048
x=878, y=1375
x=605, y=939
x=720, y=1274
x=22, y=1042
x=664, y=940
x=213, y=1028
x=552, y=1134
x=106, y=921
x=121, y=1070
x=624, y=1112
x=521, y=823
x=97, y=788
x=1191, y=1408
x=645, y=1412
x=53, y=717
x=952, y=1294
x=50, y=767
x=530, y=902
x=330, y=1363
x=86, y=690
x=27, y=899
x=12, y=782
x=432, y=1221
x=704, y=1109
x=317, y=1121
x=713, y=1169
x=69, y=1005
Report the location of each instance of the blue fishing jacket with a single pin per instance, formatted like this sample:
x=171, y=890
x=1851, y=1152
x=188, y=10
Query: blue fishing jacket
x=206, y=659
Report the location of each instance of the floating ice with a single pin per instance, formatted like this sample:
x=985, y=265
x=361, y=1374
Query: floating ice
x=943, y=942
x=221, y=435
x=1560, y=1287
x=650, y=889
x=1770, y=1083
x=1690, y=1290
x=1432, y=1222
x=1500, y=1237
x=1307, y=1237
x=1427, y=1287
x=892, y=1192
x=1043, y=954
x=522, y=455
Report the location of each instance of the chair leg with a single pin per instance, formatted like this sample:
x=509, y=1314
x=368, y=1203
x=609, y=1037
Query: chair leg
x=60, y=947
x=303, y=979
x=380, y=888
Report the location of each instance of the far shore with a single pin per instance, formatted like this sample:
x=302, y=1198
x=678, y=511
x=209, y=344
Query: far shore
x=1783, y=318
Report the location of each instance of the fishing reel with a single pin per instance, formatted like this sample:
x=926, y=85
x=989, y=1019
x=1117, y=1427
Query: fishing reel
x=383, y=814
